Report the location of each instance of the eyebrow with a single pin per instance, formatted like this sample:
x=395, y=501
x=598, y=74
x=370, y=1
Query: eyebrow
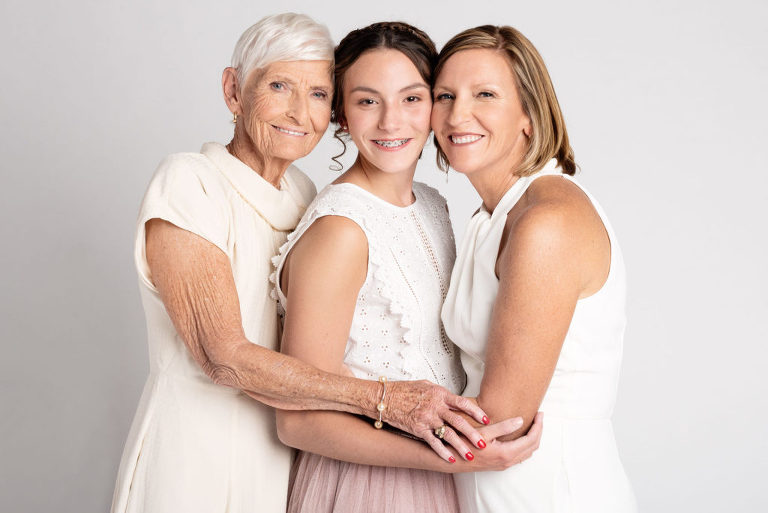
x=479, y=85
x=279, y=78
x=283, y=78
x=365, y=89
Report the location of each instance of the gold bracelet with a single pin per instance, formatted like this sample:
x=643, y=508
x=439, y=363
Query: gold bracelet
x=381, y=406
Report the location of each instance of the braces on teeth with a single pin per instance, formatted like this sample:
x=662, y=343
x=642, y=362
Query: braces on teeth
x=392, y=144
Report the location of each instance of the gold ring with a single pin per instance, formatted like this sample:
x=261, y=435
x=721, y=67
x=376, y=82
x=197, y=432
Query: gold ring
x=440, y=432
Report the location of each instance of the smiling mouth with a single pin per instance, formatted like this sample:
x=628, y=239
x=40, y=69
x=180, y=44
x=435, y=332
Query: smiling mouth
x=391, y=144
x=288, y=132
x=465, y=139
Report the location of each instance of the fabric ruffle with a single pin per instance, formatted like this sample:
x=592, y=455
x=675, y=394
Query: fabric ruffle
x=397, y=329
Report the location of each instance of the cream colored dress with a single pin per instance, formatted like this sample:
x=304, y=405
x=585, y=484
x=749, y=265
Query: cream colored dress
x=577, y=467
x=195, y=446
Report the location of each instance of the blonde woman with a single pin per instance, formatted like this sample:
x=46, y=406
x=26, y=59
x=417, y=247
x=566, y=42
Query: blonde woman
x=536, y=301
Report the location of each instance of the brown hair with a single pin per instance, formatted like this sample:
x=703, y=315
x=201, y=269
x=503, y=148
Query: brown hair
x=394, y=35
x=549, y=137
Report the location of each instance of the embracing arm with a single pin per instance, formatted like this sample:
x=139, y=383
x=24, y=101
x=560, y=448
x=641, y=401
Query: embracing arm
x=195, y=282
x=196, y=285
x=345, y=437
x=555, y=253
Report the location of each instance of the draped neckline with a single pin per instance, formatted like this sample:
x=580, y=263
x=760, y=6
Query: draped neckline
x=281, y=207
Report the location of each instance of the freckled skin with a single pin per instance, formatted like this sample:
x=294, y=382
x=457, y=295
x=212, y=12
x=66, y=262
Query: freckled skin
x=293, y=95
x=554, y=249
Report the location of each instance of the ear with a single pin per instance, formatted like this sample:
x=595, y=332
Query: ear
x=231, y=88
x=343, y=124
x=527, y=127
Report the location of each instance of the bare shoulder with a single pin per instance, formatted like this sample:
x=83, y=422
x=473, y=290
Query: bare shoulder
x=555, y=208
x=335, y=231
x=330, y=245
x=556, y=224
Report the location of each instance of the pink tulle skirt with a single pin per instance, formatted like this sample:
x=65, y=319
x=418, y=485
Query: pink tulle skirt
x=324, y=485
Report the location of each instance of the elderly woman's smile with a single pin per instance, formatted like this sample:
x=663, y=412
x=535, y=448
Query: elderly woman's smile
x=286, y=107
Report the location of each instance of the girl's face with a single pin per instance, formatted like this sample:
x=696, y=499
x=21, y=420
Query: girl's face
x=478, y=119
x=387, y=107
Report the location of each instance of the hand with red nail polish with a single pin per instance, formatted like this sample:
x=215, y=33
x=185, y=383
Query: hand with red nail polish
x=498, y=454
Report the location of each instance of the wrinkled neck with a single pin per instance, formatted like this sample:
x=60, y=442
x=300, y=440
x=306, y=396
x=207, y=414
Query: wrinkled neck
x=270, y=169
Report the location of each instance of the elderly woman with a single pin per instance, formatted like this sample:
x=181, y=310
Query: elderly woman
x=207, y=230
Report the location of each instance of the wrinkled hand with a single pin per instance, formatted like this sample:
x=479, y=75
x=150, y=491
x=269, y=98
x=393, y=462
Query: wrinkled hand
x=419, y=407
x=500, y=455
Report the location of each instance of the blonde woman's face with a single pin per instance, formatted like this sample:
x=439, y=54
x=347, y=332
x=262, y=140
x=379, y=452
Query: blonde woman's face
x=286, y=108
x=477, y=116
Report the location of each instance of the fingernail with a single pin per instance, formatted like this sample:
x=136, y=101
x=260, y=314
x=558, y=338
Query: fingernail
x=452, y=459
x=481, y=444
x=518, y=422
x=485, y=420
x=469, y=456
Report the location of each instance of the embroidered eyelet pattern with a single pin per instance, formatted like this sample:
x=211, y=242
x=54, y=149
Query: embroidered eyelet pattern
x=396, y=329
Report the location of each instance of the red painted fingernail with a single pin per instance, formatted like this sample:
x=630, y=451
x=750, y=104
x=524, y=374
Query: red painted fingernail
x=452, y=459
x=485, y=420
x=470, y=456
x=481, y=444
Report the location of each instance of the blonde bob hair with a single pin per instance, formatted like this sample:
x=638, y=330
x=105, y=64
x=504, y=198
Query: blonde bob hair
x=281, y=37
x=549, y=138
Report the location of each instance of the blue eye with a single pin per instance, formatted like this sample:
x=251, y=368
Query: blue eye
x=322, y=95
x=444, y=97
x=277, y=86
x=486, y=94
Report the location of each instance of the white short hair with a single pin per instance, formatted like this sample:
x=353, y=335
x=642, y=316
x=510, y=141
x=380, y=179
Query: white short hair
x=281, y=37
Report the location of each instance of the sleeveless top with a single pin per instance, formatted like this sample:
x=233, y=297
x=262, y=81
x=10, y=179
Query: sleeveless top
x=577, y=466
x=396, y=331
x=586, y=375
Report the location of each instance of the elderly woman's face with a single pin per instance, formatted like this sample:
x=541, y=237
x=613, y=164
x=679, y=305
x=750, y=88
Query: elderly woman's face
x=286, y=108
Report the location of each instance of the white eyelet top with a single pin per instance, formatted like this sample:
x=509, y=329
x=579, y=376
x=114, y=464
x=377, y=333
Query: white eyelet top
x=396, y=331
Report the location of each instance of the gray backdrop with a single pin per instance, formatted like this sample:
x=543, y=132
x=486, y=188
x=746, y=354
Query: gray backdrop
x=664, y=103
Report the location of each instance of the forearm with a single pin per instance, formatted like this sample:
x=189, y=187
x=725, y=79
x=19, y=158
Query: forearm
x=500, y=406
x=285, y=382
x=348, y=438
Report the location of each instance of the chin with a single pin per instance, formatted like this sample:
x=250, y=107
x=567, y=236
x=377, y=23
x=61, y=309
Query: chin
x=390, y=167
x=291, y=154
x=462, y=167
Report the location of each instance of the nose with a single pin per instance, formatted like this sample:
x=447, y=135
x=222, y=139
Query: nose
x=298, y=108
x=389, y=119
x=459, y=112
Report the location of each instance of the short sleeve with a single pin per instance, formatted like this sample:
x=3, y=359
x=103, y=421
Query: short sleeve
x=186, y=192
